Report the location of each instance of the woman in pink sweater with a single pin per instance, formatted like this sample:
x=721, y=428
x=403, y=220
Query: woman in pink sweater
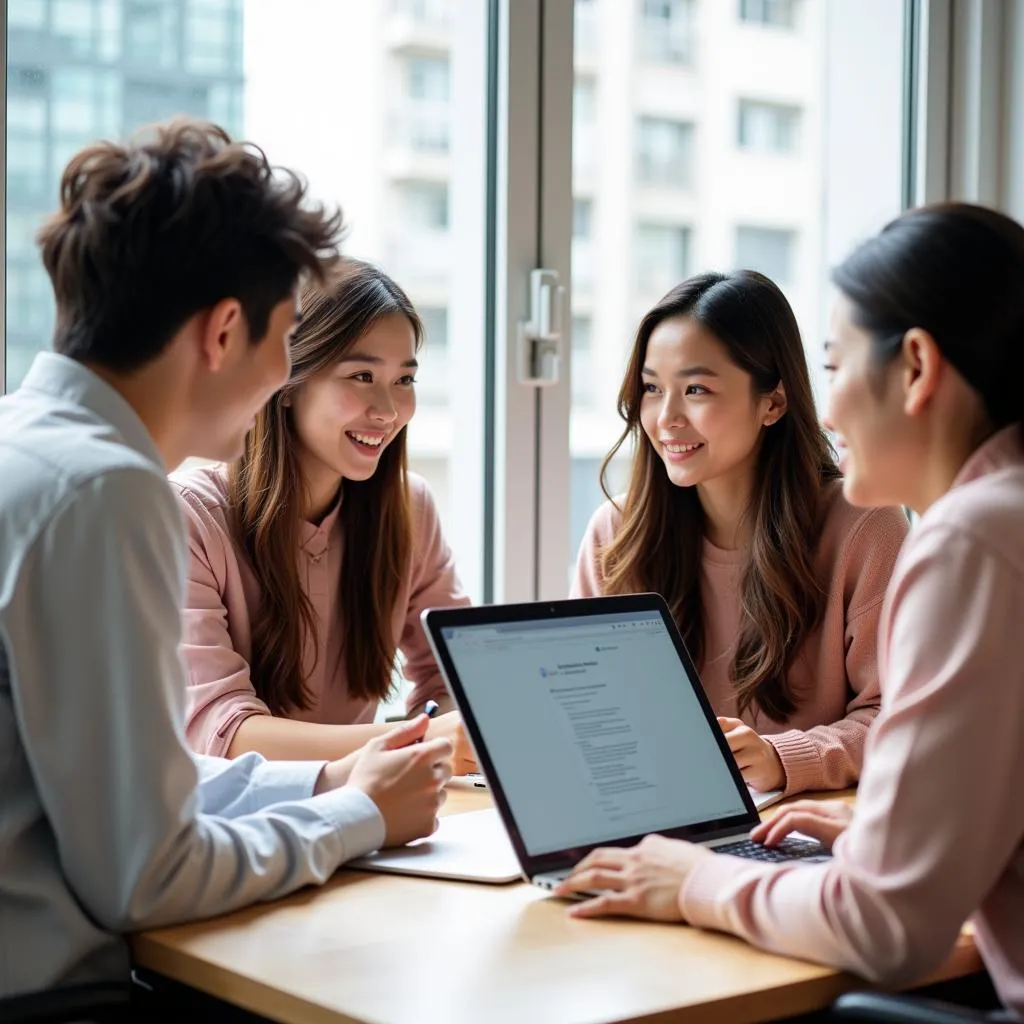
x=735, y=514
x=314, y=554
x=927, y=359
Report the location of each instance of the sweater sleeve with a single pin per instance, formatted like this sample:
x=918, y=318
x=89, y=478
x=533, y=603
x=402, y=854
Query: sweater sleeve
x=588, y=580
x=830, y=755
x=938, y=812
x=435, y=584
x=220, y=694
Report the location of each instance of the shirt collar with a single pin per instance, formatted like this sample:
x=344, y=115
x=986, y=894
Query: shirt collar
x=67, y=379
x=315, y=540
x=1004, y=448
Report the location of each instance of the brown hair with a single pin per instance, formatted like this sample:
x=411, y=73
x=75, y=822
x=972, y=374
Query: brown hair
x=150, y=233
x=657, y=547
x=265, y=492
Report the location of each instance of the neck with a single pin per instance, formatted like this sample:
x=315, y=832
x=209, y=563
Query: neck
x=944, y=456
x=725, y=501
x=154, y=399
x=320, y=486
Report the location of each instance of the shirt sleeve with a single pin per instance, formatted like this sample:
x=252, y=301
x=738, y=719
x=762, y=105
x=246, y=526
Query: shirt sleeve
x=588, y=580
x=220, y=694
x=249, y=783
x=831, y=755
x=938, y=811
x=100, y=690
x=435, y=584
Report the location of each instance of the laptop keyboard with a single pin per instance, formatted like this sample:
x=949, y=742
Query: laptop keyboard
x=788, y=849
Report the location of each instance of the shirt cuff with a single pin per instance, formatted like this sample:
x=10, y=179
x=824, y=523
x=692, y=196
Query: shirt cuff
x=356, y=819
x=283, y=781
x=705, y=898
x=800, y=759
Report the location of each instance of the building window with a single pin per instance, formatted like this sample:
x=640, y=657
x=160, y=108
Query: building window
x=74, y=25
x=664, y=152
x=213, y=37
x=30, y=14
x=426, y=205
x=667, y=30
x=584, y=131
x=435, y=327
x=768, y=127
x=427, y=78
x=151, y=33
x=780, y=13
x=582, y=356
x=662, y=257
x=768, y=250
x=582, y=218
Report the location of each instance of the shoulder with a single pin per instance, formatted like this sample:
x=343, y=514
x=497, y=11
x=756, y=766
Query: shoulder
x=421, y=498
x=202, y=492
x=984, y=515
x=605, y=522
x=847, y=527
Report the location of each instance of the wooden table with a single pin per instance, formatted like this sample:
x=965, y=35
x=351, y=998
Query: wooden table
x=386, y=949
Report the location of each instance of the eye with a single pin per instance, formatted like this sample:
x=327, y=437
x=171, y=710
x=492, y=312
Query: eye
x=830, y=367
x=407, y=381
x=650, y=389
x=697, y=389
x=363, y=376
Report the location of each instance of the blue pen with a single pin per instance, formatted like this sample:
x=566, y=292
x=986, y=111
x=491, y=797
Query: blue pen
x=431, y=708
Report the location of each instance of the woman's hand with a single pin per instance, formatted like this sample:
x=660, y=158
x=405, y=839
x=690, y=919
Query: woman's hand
x=450, y=727
x=643, y=881
x=824, y=820
x=757, y=759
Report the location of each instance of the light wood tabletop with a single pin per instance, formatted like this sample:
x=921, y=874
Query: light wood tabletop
x=387, y=949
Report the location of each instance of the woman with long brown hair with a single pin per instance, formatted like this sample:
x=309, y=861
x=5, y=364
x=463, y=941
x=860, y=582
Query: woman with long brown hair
x=735, y=514
x=313, y=555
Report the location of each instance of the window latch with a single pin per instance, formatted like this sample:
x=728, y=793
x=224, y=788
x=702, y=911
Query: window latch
x=540, y=338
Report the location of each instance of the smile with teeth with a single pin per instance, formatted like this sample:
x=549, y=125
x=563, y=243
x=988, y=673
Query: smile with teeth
x=682, y=449
x=370, y=441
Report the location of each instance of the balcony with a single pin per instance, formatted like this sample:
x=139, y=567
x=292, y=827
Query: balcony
x=420, y=25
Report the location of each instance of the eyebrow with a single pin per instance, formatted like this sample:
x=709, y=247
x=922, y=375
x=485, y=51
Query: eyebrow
x=686, y=371
x=829, y=344
x=361, y=357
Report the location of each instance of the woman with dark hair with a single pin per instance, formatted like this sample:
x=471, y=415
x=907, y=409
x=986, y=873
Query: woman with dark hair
x=735, y=514
x=926, y=356
x=313, y=555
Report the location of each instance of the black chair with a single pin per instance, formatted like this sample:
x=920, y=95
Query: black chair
x=102, y=1003
x=880, y=1008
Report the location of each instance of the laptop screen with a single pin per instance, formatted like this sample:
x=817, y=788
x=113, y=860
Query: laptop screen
x=598, y=709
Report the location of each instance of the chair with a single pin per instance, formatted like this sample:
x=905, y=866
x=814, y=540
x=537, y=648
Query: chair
x=880, y=1008
x=99, y=1002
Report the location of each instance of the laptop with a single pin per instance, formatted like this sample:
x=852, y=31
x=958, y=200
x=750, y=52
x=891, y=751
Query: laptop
x=592, y=729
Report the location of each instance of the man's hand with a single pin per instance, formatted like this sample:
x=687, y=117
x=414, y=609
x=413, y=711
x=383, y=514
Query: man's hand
x=405, y=778
x=824, y=820
x=643, y=881
x=757, y=759
x=450, y=727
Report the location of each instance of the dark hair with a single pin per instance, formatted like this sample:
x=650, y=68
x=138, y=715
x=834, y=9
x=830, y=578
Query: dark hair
x=957, y=272
x=657, y=546
x=265, y=489
x=150, y=233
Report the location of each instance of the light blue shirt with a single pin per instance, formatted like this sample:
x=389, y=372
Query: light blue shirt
x=108, y=823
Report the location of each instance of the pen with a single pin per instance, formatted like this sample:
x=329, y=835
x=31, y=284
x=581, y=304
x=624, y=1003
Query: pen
x=431, y=708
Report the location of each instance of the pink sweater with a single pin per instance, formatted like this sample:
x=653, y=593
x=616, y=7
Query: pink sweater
x=938, y=830
x=835, y=673
x=223, y=596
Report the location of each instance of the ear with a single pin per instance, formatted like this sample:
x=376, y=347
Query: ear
x=777, y=405
x=921, y=371
x=223, y=328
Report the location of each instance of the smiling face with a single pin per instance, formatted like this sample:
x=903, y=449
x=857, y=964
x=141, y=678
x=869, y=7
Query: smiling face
x=699, y=409
x=347, y=414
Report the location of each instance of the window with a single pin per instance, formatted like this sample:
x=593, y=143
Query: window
x=768, y=127
x=584, y=101
x=582, y=215
x=666, y=30
x=582, y=366
x=213, y=36
x=427, y=79
x=780, y=13
x=426, y=205
x=435, y=326
x=662, y=258
x=768, y=250
x=74, y=26
x=664, y=152
x=151, y=33
x=29, y=14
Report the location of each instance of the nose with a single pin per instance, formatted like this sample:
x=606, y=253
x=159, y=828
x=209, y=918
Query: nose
x=671, y=414
x=382, y=407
